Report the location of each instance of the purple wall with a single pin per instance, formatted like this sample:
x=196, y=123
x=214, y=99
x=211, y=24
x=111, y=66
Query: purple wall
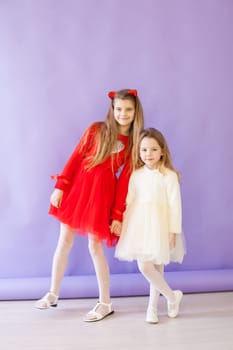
x=58, y=59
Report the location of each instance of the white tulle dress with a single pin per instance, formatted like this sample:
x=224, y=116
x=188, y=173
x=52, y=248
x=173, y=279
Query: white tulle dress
x=153, y=211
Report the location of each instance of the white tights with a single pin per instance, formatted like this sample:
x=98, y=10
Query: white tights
x=60, y=259
x=154, y=275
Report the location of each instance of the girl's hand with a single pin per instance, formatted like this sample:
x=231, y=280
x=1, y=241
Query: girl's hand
x=56, y=198
x=116, y=227
x=172, y=240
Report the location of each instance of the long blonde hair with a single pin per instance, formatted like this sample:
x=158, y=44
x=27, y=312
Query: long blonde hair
x=108, y=130
x=165, y=160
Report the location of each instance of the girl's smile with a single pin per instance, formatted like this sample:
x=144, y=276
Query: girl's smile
x=150, y=152
x=124, y=112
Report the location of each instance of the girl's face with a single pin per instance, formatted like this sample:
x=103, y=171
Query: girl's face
x=124, y=113
x=150, y=152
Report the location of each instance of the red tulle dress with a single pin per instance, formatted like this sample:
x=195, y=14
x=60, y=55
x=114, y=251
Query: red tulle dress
x=93, y=197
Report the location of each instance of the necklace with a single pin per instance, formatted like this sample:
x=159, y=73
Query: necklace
x=118, y=147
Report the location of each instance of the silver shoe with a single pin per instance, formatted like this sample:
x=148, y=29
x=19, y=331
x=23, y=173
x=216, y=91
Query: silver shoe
x=151, y=315
x=49, y=300
x=173, y=308
x=100, y=311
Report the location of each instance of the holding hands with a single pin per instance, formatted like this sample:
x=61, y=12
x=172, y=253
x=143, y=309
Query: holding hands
x=116, y=227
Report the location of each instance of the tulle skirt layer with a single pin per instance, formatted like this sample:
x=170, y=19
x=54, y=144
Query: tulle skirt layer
x=87, y=206
x=145, y=236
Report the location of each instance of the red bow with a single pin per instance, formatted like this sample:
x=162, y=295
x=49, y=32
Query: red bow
x=133, y=92
x=111, y=94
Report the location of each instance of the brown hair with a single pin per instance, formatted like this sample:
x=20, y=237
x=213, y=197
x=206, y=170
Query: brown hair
x=108, y=130
x=165, y=160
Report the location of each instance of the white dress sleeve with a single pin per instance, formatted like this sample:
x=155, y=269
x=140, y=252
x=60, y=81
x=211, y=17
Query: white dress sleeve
x=131, y=191
x=174, y=203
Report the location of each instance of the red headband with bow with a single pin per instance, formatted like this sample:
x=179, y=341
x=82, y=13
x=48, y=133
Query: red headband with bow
x=112, y=94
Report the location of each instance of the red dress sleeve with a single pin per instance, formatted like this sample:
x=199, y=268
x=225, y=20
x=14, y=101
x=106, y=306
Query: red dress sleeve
x=64, y=180
x=121, y=193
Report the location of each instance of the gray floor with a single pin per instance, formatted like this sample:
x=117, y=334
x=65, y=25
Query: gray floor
x=205, y=322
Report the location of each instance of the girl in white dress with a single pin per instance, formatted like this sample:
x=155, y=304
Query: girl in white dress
x=151, y=229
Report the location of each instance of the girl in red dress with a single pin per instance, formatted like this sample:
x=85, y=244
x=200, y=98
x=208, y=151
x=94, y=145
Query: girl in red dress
x=89, y=197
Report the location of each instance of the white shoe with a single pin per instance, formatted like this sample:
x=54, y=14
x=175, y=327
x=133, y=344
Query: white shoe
x=173, y=308
x=100, y=311
x=151, y=315
x=50, y=299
